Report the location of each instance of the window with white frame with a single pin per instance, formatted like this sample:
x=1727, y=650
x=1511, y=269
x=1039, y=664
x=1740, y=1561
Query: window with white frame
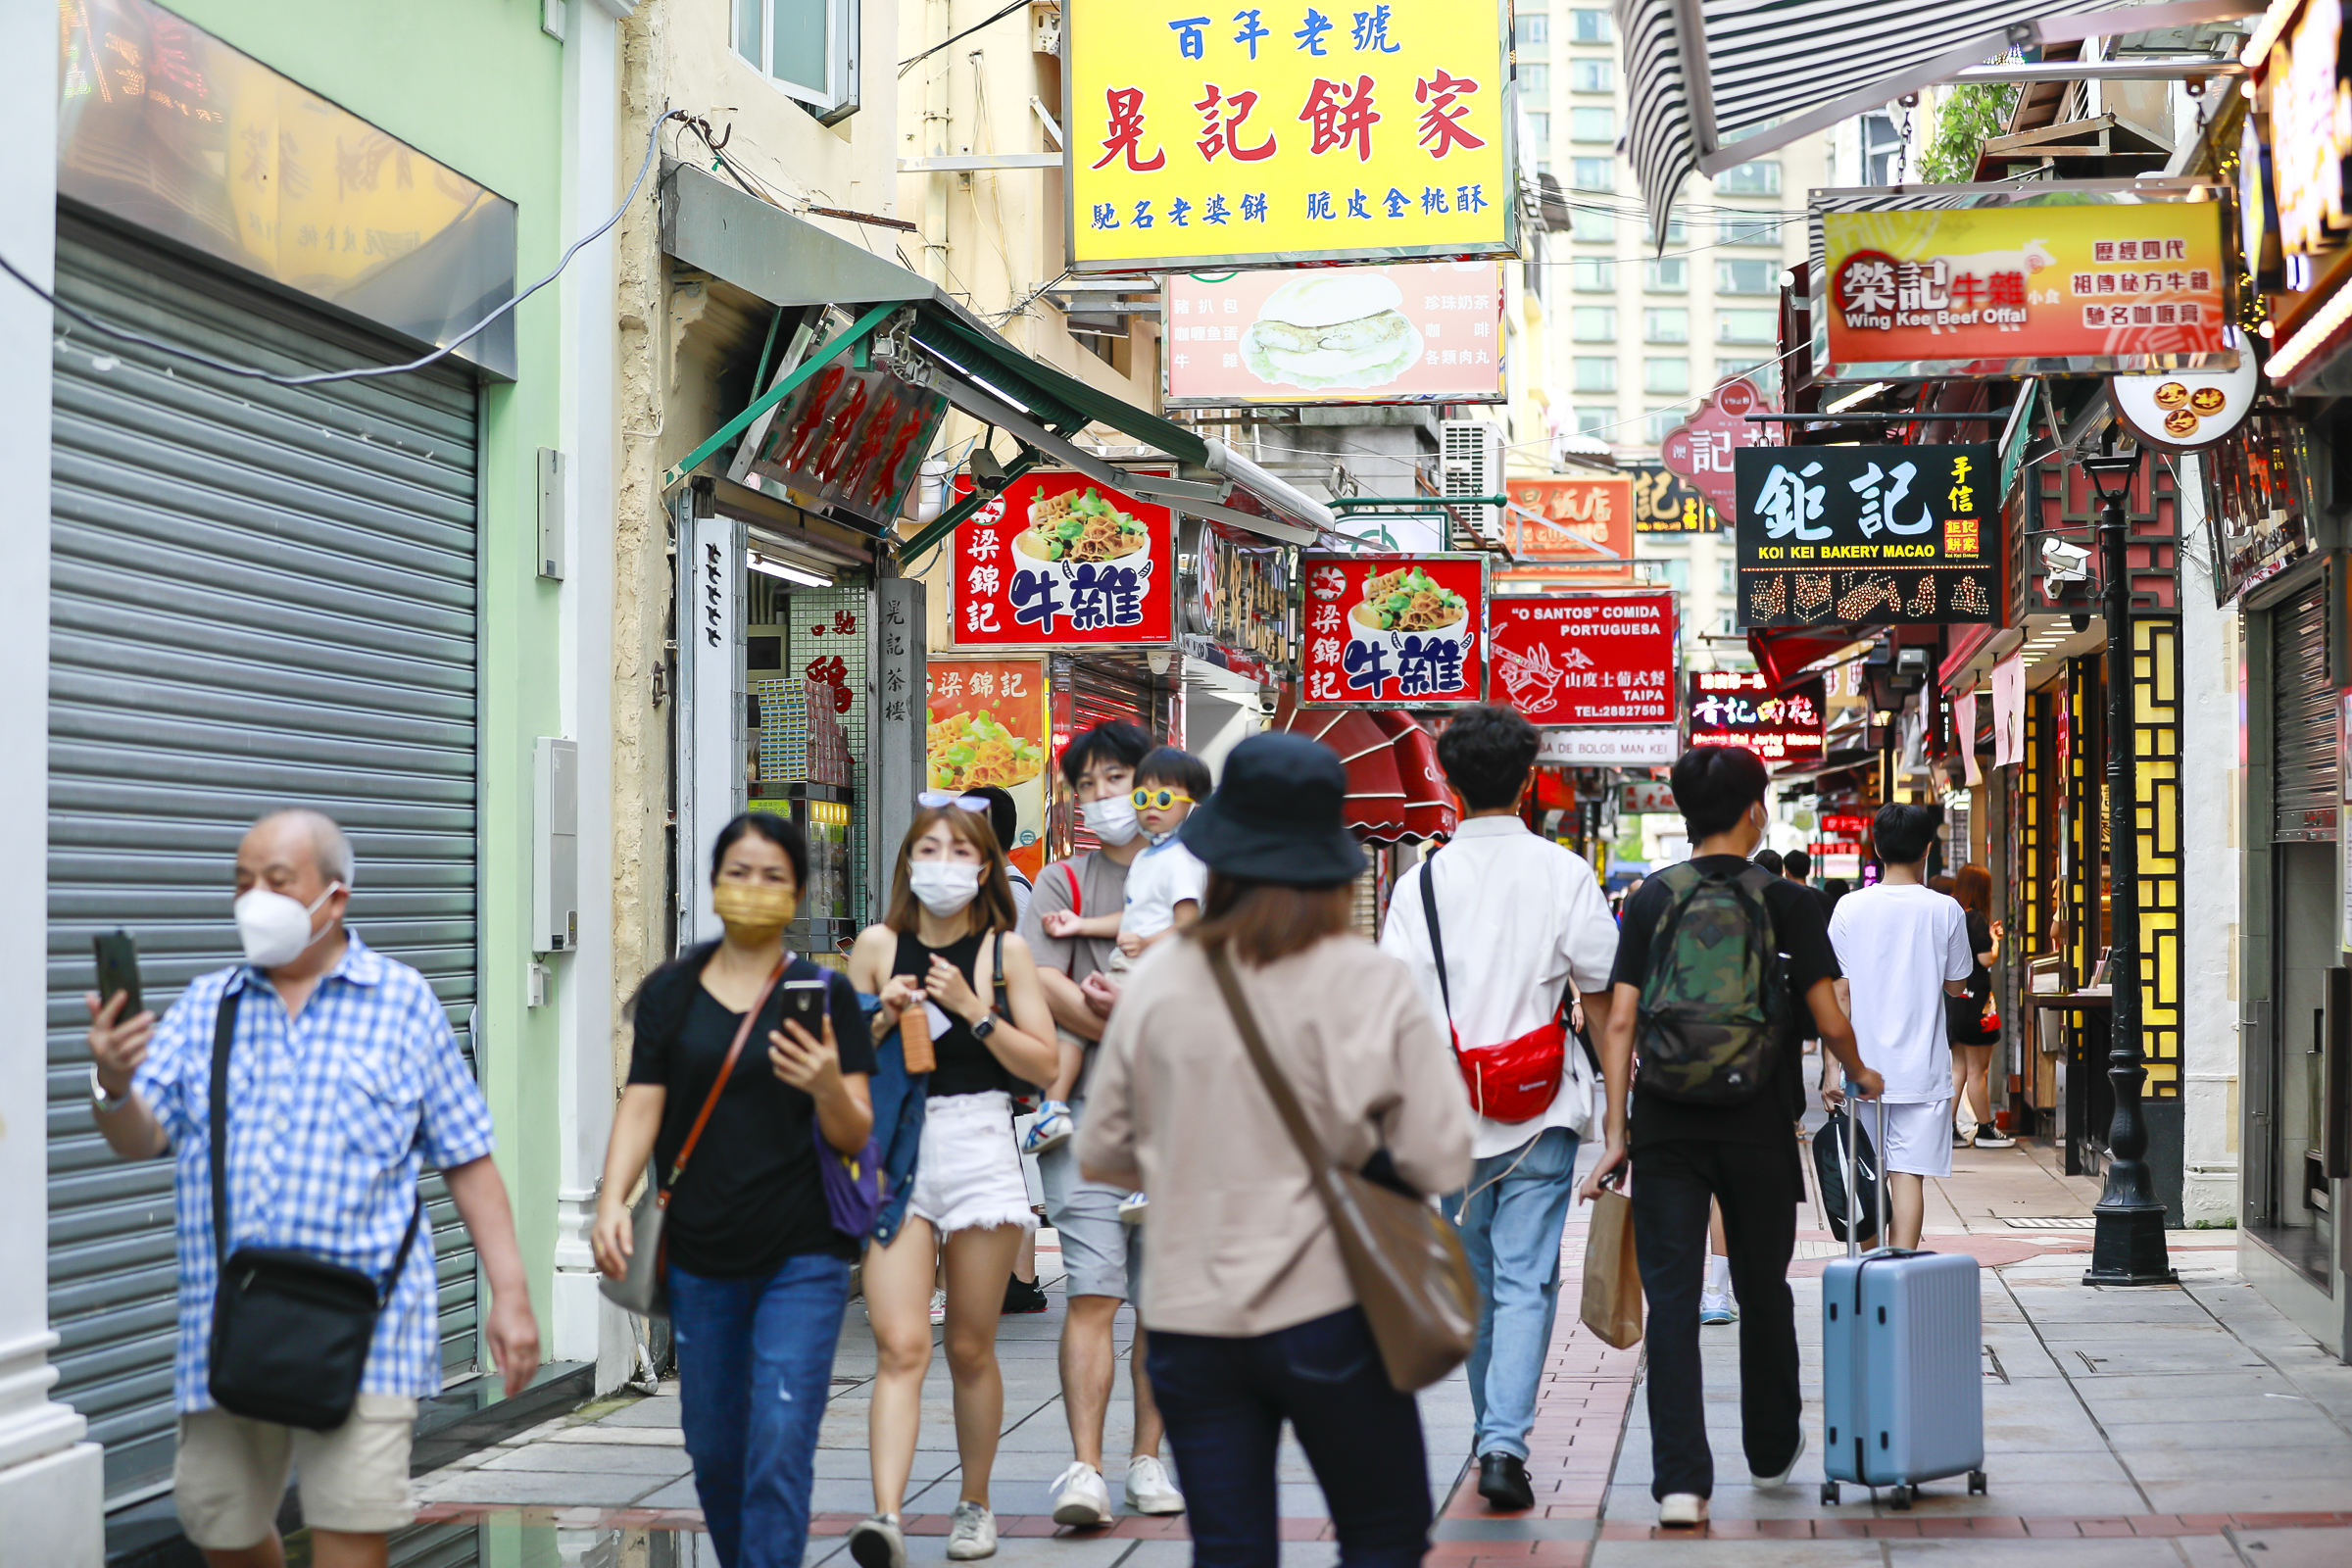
x=1593, y=125
x=1726, y=369
x=1589, y=275
x=1594, y=374
x=1660, y=422
x=1666, y=324
x=1742, y=229
x=808, y=48
x=1534, y=80
x=1588, y=26
x=1665, y=375
x=1593, y=75
x=1595, y=421
x=1538, y=127
x=1593, y=173
x=1586, y=224
x=1593, y=323
x=1666, y=274
x=1745, y=277
x=1748, y=326
x=1670, y=572
x=1534, y=27
x=1762, y=177
x=1678, y=230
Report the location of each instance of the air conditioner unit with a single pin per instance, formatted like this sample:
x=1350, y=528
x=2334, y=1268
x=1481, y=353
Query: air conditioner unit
x=1470, y=464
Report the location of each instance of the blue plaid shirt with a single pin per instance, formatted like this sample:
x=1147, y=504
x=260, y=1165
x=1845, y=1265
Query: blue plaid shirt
x=330, y=1115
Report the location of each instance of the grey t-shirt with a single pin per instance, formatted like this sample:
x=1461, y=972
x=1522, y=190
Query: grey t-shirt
x=1101, y=884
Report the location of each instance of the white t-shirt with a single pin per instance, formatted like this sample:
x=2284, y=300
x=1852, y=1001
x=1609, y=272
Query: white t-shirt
x=1164, y=875
x=1897, y=945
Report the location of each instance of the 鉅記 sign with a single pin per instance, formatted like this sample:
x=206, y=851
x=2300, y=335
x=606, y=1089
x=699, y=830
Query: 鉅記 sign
x=1878, y=535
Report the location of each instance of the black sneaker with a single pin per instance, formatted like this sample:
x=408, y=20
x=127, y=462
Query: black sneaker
x=1994, y=1140
x=1502, y=1482
x=1023, y=1295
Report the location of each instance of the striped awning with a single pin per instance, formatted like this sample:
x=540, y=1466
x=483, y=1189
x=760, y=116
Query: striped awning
x=1717, y=82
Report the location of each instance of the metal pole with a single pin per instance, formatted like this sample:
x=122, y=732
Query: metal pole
x=2128, y=1234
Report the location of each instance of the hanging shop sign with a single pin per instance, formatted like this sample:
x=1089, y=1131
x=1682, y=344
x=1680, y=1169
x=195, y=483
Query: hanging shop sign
x=1640, y=796
x=1265, y=139
x=1239, y=602
x=1638, y=746
x=1664, y=501
x=1738, y=707
x=2186, y=411
x=1878, y=535
x=1699, y=450
x=1060, y=559
x=1578, y=528
x=987, y=724
x=2258, y=503
x=851, y=439
x=1605, y=660
x=2309, y=136
x=2132, y=278
x=1412, y=333
x=1393, y=631
x=1397, y=533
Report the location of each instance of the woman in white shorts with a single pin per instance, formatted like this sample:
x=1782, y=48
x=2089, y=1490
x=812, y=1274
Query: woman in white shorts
x=934, y=962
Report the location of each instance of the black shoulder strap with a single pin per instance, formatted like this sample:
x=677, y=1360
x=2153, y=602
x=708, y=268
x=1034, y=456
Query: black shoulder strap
x=1437, y=940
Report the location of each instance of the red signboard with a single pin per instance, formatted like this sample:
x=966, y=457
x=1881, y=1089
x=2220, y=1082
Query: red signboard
x=1578, y=528
x=1846, y=825
x=1583, y=659
x=1393, y=632
x=1060, y=559
x=850, y=438
x=1731, y=707
x=1699, y=449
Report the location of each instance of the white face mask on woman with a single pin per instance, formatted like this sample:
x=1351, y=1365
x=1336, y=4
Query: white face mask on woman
x=944, y=886
x=1111, y=819
x=277, y=929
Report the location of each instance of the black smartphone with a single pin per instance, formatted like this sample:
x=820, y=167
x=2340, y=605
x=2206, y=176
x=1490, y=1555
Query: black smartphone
x=805, y=1005
x=119, y=970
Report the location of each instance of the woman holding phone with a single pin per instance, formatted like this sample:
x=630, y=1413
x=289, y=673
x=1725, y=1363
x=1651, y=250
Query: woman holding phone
x=959, y=987
x=758, y=1275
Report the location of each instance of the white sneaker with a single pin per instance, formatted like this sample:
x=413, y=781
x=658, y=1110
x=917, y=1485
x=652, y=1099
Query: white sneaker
x=1714, y=1311
x=972, y=1532
x=939, y=1307
x=1685, y=1508
x=878, y=1543
x=1053, y=1128
x=1079, y=1497
x=1148, y=1489
x=1133, y=1208
x=1776, y=1483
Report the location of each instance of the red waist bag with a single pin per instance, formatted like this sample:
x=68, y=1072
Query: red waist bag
x=1517, y=1079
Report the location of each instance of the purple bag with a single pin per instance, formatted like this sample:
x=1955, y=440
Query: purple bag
x=853, y=1184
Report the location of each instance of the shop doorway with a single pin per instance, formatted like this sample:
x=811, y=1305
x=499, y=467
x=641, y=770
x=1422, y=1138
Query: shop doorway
x=2293, y=1216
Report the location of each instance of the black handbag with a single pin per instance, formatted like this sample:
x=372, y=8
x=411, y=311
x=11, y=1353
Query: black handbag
x=290, y=1331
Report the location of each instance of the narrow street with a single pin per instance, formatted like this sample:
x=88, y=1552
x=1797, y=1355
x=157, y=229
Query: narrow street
x=2190, y=1425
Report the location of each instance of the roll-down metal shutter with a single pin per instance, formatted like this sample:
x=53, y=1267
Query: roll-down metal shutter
x=2303, y=786
x=262, y=595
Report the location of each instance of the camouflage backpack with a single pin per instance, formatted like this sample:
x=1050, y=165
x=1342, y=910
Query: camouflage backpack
x=1716, y=996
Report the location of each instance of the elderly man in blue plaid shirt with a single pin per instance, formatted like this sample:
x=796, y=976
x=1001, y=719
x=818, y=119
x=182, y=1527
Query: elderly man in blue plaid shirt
x=343, y=1080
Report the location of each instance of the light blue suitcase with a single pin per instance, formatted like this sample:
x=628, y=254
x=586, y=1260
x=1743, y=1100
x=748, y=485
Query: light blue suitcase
x=1902, y=1389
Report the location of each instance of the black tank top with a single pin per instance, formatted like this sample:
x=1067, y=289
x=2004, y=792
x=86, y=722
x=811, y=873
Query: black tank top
x=965, y=1065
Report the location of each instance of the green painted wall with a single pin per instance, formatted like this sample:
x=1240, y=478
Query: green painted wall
x=478, y=85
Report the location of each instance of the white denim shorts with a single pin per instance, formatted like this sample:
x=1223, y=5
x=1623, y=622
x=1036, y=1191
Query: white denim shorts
x=1919, y=1137
x=967, y=1173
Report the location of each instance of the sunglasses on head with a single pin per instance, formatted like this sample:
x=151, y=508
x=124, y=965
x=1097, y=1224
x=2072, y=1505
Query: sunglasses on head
x=977, y=804
x=1162, y=798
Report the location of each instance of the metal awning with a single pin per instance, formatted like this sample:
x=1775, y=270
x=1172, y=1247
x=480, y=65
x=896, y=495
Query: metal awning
x=790, y=261
x=1717, y=82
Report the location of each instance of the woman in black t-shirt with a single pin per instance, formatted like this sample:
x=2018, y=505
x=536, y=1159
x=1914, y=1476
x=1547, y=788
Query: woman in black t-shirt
x=757, y=1274
x=933, y=961
x=1972, y=1043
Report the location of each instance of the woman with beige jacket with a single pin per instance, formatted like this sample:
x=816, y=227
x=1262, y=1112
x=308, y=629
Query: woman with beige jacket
x=1251, y=1316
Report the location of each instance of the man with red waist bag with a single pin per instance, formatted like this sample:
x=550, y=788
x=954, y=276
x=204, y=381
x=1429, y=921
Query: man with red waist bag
x=1517, y=919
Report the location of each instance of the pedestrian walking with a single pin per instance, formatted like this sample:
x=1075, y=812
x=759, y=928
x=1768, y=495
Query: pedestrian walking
x=1524, y=928
x=1903, y=948
x=1722, y=968
x=1252, y=1319
x=301, y=1093
x=1974, y=1026
x=731, y=1096
x=953, y=978
x=1100, y=1254
x=1005, y=819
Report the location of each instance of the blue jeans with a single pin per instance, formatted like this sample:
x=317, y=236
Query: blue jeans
x=755, y=1368
x=1225, y=1400
x=1511, y=1225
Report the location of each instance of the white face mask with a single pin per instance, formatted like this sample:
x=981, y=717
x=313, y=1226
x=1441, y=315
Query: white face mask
x=944, y=886
x=274, y=928
x=1112, y=820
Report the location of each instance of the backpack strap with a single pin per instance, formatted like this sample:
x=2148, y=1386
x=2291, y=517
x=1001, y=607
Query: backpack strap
x=1437, y=940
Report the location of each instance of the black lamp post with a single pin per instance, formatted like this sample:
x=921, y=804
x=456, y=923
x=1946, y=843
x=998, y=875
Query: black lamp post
x=2127, y=1236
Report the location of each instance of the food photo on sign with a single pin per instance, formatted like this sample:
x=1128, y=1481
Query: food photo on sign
x=1595, y=659
x=1738, y=708
x=1408, y=332
x=1393, y=631
x=1868, y=536
x=986, y=726
x=1058, y=558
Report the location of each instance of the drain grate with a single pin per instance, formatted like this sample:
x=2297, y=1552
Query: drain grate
x=2049, y=1222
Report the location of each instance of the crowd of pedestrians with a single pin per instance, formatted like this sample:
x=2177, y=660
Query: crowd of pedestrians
x=1209, y=1040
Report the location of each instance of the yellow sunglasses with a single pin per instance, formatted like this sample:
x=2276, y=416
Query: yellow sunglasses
x=1145, y=800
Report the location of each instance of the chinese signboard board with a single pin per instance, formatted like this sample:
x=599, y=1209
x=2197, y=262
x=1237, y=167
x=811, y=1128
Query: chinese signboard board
x=1272, y=135
x=986, y=726
x=1393, y=631
x=1667, y=502
x=1639, y=797
x=1576, y=528
x=2308, y=140
x=1732, y=708
x=847, y=438
x=1241, y=602
x=1415, y=332
x=1978, y=291
x=2258, y=503
x=1699, y=449
x=1583, y=659
x=1059, y=559
x=1876, y=536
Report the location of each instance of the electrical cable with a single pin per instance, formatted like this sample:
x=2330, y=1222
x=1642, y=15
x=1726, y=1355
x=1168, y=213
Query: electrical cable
x=911, y=60
x=251, y=373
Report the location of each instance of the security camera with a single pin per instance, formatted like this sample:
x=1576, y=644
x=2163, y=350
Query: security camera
x=2064, y=563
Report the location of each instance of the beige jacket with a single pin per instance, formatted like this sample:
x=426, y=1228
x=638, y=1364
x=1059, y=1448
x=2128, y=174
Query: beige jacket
x=1239, y=1243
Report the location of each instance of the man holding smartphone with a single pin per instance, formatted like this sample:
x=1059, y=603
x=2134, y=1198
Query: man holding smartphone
x=343, y=1080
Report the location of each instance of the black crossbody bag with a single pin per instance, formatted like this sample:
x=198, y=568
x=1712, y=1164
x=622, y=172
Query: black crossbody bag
x=290, y=1331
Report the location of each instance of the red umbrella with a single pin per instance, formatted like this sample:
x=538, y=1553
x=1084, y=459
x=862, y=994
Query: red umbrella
x=1394, y=790
x=1429, y=810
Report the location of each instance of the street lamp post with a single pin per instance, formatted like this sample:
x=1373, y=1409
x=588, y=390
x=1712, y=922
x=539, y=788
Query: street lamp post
x=2127, y=1225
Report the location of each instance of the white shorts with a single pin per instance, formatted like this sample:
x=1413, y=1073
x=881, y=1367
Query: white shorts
x=1919, y=1137
x=967, y=1172
x=230, y=1475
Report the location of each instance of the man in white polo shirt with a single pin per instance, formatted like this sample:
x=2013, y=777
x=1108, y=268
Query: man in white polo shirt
x=1518, y=918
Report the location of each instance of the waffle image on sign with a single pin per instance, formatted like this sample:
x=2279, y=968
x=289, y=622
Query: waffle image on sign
x=1812, y=594
x=1080, y=527
x=1408, y=599
x=1768, y=600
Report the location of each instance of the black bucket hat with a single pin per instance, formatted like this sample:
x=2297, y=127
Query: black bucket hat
x=1276, y=815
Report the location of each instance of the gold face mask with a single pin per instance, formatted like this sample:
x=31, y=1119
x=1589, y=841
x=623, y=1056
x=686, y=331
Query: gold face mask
x=753, y=911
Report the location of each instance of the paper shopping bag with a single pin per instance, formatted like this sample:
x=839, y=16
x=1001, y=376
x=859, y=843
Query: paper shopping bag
x=1612, y=1304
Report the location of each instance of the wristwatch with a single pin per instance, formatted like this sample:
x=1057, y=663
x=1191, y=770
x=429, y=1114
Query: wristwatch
x=980, y=1031
x=100, y=1097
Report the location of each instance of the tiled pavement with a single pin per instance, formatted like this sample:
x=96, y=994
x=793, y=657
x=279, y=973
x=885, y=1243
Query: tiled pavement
x=2189, y=1425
